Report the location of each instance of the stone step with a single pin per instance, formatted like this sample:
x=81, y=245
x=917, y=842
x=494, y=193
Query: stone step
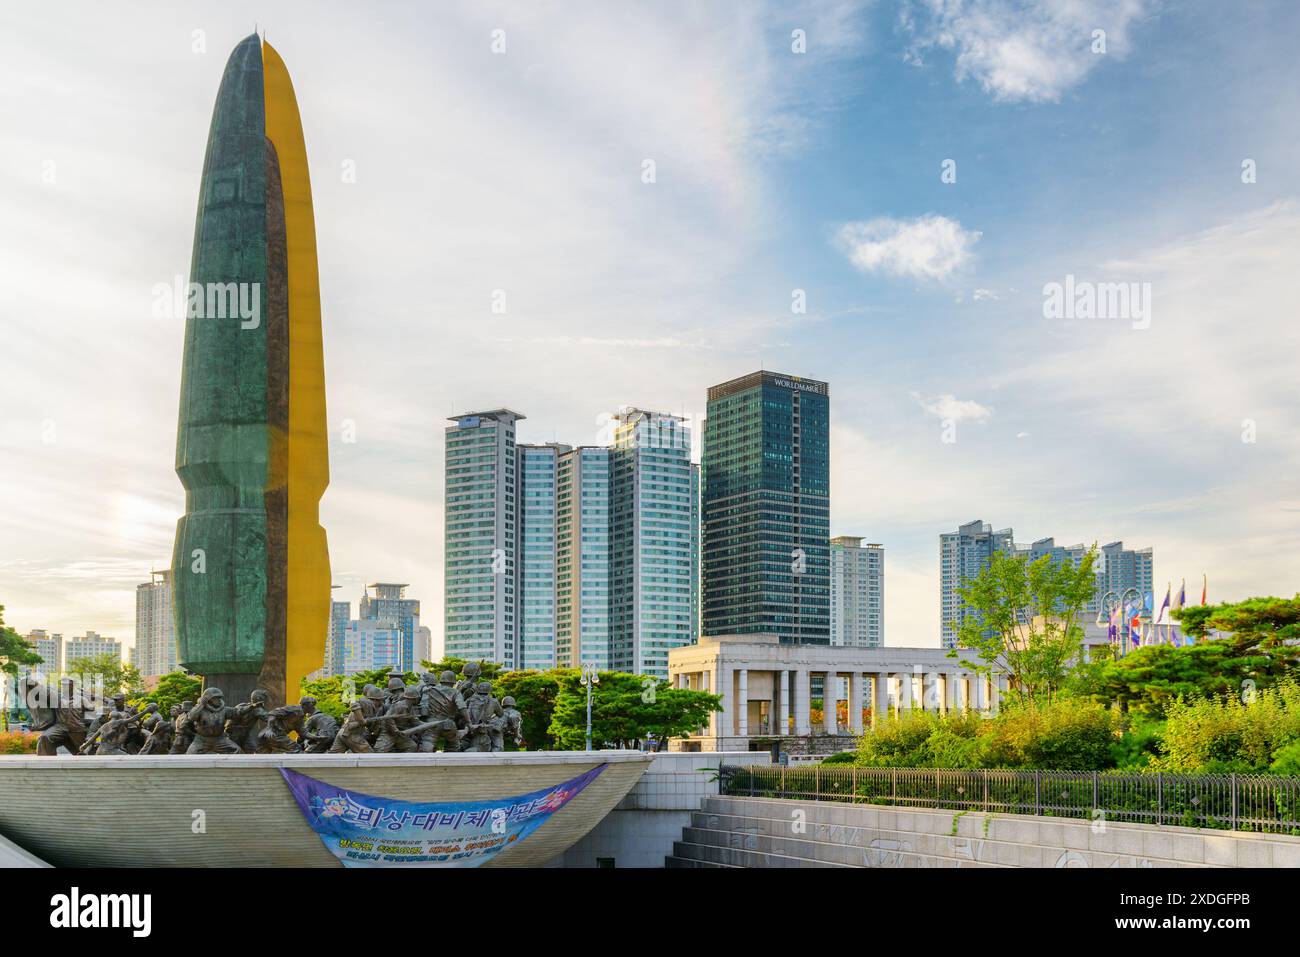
x=736, y=857
x=875, y=836
x=879, y=851
x=685, y=862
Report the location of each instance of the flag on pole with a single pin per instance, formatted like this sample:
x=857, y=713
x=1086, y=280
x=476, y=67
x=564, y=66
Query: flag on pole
x=1203, y=584
x=1161, y=616
x=1181, y=598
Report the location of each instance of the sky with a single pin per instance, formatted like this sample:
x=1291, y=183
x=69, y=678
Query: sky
x=652, y=190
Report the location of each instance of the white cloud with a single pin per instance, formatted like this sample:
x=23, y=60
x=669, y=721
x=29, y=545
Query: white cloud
x=981, y=295
x=1020, y=50
x=949, y=407
x=928, y=247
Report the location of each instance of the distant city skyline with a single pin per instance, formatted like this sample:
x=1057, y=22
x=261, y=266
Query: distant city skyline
x=882, y=212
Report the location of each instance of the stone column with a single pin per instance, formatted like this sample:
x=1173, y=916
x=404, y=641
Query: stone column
x=782, y=679
x=952, y=690
x=830, y=698
x=880, y=699
x=742, y=702
x=995, y=693
x=977, y=699
x=722, y=681
x=904, y=691
x=802, y=699
x=930, y=698
x=855, y=702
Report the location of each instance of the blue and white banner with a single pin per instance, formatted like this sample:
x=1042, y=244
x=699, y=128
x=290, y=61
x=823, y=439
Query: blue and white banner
x=363, y=830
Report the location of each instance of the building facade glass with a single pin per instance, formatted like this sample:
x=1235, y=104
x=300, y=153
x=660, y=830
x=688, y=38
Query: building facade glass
x=766, y=508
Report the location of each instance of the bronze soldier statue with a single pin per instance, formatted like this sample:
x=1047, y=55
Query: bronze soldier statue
x=57, y=716
x=352, y=736
x=512, y=721
x=441, y=709
x=318, y=730
x=394, y=724
x=207, y=721
x=183, y=734
x=162, y=734
x=137, y=733
x=112, y=734
x=247, y=719
x=116, y=703
x=469, y=679
x=484, y=710
x=394, y=689
x=275, y=739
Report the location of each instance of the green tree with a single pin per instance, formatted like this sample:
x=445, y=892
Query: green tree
x=172, y=688
x=118, y=676
x=626, y=709
x=1269, y=621
x=15, y=652
x=534, y=693
x=1026, y=620
x=1149, y=679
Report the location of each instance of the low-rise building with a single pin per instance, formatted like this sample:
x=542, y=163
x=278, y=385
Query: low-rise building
x=768, y=690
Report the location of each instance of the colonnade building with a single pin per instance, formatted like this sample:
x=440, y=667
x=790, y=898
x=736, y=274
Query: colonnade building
x=768, y=689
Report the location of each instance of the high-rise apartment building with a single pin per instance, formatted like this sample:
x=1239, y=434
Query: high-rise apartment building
x=340, y=616
x=593, y=547
x=766, y=508
x=89, y=645
x=650, y=540
x=539, y=467
x=857, y=593
x=155, y=631
x=387, y=601
x=582, y=544
x=370, y=643
x=480, y=608
x=963, y=554
x=1120, y=569
x=49, y=647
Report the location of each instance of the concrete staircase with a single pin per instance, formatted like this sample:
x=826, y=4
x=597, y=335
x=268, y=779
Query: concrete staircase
x=767, y=832
x=757, y=832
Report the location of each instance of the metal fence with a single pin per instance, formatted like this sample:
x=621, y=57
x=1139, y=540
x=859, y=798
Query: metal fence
x=1239, y=802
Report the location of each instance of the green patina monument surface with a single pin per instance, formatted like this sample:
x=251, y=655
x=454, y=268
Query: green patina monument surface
x=228, y=563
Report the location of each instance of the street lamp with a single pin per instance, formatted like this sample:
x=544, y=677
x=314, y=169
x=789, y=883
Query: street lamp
x=590, y=678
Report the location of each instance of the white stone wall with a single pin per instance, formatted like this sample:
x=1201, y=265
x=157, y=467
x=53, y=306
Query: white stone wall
x=762, y=832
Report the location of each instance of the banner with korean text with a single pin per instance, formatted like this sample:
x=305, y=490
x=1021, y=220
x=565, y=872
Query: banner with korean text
x=363, y=830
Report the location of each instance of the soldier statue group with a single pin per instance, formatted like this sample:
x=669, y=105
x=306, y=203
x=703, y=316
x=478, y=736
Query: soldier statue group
x=438, y=710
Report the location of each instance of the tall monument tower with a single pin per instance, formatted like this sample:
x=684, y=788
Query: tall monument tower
x=250, y=567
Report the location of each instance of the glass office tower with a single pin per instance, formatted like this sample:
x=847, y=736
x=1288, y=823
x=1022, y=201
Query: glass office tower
x=766, y=508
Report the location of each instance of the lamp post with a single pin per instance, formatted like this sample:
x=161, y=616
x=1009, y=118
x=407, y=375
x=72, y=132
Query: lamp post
x=590, y=678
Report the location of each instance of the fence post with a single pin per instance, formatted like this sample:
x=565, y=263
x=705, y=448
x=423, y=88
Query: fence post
x=1160, y=798
x=986, y=792
x=1038, y=793
x=784, y=792
x=893, y=790
x=1234, y=802
x=817, y=783
x=1095, y=801
x=854, y=784
x=938, y=801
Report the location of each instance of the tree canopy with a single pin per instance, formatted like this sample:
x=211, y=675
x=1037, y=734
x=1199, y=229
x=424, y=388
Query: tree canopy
x=1025, y=620
x=172, y=688
x=15, y=652
x=625, y=709
x=118, y=677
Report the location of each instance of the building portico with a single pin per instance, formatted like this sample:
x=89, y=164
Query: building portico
x=767, y=689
